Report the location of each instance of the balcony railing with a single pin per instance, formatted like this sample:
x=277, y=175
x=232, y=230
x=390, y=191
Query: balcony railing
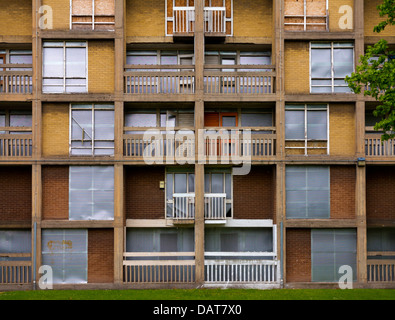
x=149, y=79
x=15, y=271
x=159, y=267
x=381, y=267
x=16, y=79
x=239, y=79
x=184, y=20
x=374, y=147
x=234, y=144
x=16, y=144
x=184, y=206
x=244, y=267
x=155, y=145
x=255, y=146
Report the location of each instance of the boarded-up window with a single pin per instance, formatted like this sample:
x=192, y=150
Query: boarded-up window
x=66, y=251
x=93, y=15
x=331, y=249
x=91, y=193
x=305, y=15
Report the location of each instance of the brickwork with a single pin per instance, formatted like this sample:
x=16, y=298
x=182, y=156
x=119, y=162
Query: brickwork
x=17, y=14
x=61, y=13
x=15, y=193
x=252, y=18
x=335, y=16
x=253, y=194
x=372, y=18
x=100, y=256
x=55, y=137
x=101, y=66
x=55, y=190
x=342, y=181
x=380, y=200
x=142, y=18
x=342, y=130
x=143, y=198
x=298, y=255
x=297, y=68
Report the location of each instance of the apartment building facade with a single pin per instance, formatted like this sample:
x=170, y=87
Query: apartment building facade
x=189, y=143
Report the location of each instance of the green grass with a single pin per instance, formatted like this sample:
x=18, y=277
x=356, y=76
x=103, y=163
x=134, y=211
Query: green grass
x=203, y=294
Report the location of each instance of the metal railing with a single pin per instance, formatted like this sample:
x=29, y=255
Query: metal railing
x=159, y=267
x=159, y=79
x=245, y=267
x=215, y=20
x=381, y=267
x=15, y=268
x=17, y=143
x=16, y=79
x=239, y=79
x=374, y=147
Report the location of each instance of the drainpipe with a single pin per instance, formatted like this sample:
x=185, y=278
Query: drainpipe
x=34, y=254
x=281, y=255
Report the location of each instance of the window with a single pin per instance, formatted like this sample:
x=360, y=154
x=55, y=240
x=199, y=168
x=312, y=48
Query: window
x=180, y=194
x=92, y=15
x=330, y=63
x=218, y=188
x=92, y=130
x=331, y=249
x=13, y=119
x=66, y=251
x=307, y=192
x=307, y=124
x=18, y=82
x=259, y=117
x=64, y=67
x=91, y=193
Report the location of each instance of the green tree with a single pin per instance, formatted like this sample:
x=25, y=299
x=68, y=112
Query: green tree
x=375, y=73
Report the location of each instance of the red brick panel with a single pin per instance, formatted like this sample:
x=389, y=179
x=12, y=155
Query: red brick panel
x=342, y=192
x=380, y=199
x=100, y=256
x=254, y=194
x=55, y=190
x=15, y=193
x=143, y=198
x=298, y=255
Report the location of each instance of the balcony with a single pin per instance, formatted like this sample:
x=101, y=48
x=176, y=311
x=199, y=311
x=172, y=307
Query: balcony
x=150, y=80
x=17, y=143
x=374, y=147
x=184, y=207
x=159, y=267
x=16, y=79
x=381, y=267
x=15, y=268
x=215, y=21
x=218, y=145
x=241, y=267
x=245, y=80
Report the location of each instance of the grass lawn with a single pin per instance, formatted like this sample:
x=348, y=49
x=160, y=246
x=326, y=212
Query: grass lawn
x=203, y=294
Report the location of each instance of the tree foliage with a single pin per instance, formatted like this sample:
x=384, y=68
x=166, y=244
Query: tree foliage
x=375, y=75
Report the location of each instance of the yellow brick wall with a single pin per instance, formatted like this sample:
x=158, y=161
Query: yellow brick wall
x=341, y=129
x=145, y=18
x=372, y=18
x=101, y=66
x=334, y=15
x=252, y=18
x=61, y=13
x=297, y=68
x=55, y=130
x=16, y=18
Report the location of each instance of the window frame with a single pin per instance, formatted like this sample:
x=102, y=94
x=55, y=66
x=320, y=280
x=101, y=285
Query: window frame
x=306, y=140
x=46, y=44
x=94, y=107
x=333, y=79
